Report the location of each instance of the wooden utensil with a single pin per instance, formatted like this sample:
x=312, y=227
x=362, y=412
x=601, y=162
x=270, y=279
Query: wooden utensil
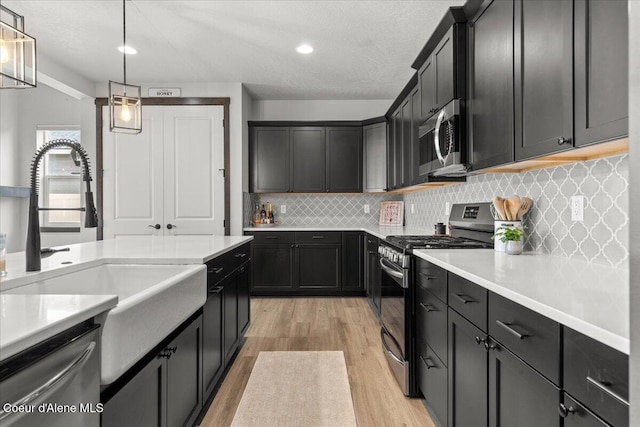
x=498, y=203
x=513, y=206
x=524, y=207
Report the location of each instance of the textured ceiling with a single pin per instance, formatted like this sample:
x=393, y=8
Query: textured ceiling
x=363, y=49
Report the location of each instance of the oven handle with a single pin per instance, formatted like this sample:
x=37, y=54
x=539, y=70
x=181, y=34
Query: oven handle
x=388, y=268
x=387, y=349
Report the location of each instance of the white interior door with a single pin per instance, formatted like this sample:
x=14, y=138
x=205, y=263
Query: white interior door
x=193, y=170
x=170, y=174
x=132, y=180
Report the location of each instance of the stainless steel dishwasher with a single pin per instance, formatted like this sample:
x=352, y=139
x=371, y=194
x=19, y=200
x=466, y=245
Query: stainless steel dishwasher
x=55, y=383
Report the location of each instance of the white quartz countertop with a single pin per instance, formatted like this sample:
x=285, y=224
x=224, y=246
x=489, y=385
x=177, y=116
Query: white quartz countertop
x=589, y=298
x=377, y=230
x=26, y=320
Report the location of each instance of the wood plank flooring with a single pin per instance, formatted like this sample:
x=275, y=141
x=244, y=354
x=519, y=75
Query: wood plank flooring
x=345, y=324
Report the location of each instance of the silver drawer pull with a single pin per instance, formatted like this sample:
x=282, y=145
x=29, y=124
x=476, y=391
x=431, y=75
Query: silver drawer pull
x=240, y=255
x=427, y=361
x=463, y=298
x=426, y=276
x=317, y=237
x=56, y=381
x=604, y=387
x=509, y=328
x=216, y=270
x=427, y=307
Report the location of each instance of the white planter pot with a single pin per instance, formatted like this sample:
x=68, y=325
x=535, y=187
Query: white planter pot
x=498, y=245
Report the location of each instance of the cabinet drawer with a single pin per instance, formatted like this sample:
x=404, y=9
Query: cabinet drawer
x=432, y=278
x=432, y=323
x=432, y=380
x=269, y=237
x=468, y=299
x=319, y=238
x=240, y=255
x=598, y=376
x=579, y=416
x=218, y=268
x=531, y=336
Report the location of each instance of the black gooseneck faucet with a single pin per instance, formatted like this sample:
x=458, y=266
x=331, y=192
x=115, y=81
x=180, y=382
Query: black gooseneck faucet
x=33, y=228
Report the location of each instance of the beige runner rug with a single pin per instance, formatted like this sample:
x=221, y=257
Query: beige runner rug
x=297, y=388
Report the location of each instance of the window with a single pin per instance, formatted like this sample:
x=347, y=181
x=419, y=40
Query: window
x=61, y=182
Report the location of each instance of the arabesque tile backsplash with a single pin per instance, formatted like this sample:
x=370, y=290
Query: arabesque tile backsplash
x=601, y=238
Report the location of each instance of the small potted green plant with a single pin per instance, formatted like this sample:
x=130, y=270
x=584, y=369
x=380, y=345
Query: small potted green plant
x=513, y=237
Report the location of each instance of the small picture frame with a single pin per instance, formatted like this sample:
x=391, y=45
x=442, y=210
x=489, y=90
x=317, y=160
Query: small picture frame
x=392, y=213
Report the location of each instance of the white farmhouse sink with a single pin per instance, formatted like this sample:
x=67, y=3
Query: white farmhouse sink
x=152, y=301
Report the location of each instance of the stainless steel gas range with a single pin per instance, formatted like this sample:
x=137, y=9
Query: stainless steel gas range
x=471, y=227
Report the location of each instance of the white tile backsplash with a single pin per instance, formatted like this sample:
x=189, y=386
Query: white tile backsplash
x=601, y=238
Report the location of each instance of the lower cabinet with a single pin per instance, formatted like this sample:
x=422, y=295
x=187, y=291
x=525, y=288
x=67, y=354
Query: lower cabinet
x=353, y=251
x=212, y=344
x=372, y=279
x=230, y=303
x=244, y=303
x=318, y=266
x=167, y=391
x=432, y=380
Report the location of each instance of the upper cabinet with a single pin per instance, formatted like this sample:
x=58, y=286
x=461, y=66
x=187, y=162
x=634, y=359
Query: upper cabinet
x=601, y=43
x=443, y=73
x=543, y=77
x=375, y=157
x=306, y=159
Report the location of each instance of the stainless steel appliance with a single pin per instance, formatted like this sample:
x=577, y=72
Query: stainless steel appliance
x=471, y=228
x=442, y=151
x=56, y=383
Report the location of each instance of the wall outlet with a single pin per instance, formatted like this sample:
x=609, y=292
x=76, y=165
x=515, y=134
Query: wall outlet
x=283, y=209
x=366, y=208
x=577, y=208
x=413, y=208
x=447, y=208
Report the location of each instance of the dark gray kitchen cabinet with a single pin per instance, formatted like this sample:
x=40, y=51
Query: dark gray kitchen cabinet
x=344, y=159
x=272, y=257
x=407, y=133
x=212, y=344
x=391, y=158
x=270, y=160
x=244, y=303
x=491, y=86
x=373, y=278
x=167, y=391
x=308, y=151
x=432, y=374
x=518, y=395
x=318, y=263
x=576, y=415
x=184, y=387
x=468, y=373
x=397, y=149
x=543, y=49
x=353, y=254
x=374, y=140
x=413, y=162
x=601, y=43
x=427, y=79
x=230, y=305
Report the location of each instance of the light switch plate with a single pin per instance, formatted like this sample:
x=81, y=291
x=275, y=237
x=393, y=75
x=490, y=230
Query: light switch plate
x=577, y=208
x=283, y=209
x=366, y=208
x=447, y=208
x=413, y=208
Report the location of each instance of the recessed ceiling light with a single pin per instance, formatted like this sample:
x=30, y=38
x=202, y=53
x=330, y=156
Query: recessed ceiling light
x=127, y=49
x=304, y=49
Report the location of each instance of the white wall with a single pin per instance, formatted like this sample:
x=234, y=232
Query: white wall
x=238, y=143
x=634, y=212
x=320, y=109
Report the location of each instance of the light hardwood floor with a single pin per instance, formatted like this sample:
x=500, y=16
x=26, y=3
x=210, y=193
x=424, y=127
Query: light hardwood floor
x=345, y=324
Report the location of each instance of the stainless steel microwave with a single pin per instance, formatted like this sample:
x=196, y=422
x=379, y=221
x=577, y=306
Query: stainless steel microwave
x=442, y=150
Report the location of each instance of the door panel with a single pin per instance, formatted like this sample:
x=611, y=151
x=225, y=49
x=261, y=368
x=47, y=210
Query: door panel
x=308, y=159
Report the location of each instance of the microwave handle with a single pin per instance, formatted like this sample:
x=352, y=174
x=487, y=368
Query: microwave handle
x=436, y=136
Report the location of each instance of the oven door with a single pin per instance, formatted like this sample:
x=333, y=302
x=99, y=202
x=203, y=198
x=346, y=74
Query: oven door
x=395, y=288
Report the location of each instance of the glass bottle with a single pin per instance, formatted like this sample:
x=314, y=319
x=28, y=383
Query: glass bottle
x=263, y=215
x=256, y=214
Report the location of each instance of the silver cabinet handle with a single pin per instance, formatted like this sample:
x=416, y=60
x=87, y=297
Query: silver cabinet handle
x=390, y=271
x=427, y=361
x=240, y=255
x=606, y=389
x=562, y=140
x=508, y=327
x=216, y=270
x=463, y=298
x=56, y=381
x=427, y=307
x=318, y=237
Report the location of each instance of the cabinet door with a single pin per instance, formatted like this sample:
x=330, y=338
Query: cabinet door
x=579, y=416
x=398, y=129
x=212, y=351
x=407, y=134
x=244, y=303
x=142, y=402
x=427, y=82
x=375, y=157
x=318, y=266
x=467, y=373
x=272, y=267
x=344, y=159
x=394, y=122
x=184, y=390
x=432, y=380
x=518, y=395
x=270, y=160
x=491, y=119
x=352, y=261
x=543, y=76
x=414, y=156
x=601, y=40
x=376, y=283
x=443, y=57
x=308, y=159
x=230, y=302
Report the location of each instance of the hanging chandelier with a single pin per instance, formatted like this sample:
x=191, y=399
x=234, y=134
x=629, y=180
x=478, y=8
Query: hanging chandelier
x=17, y=52
x=125, y=101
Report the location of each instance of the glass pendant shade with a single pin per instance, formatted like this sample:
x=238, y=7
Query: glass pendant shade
x=17, y=53
x=125, y=107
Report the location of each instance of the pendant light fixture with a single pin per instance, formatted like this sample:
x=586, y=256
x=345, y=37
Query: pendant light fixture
x=17, y=52
x=125, y=101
